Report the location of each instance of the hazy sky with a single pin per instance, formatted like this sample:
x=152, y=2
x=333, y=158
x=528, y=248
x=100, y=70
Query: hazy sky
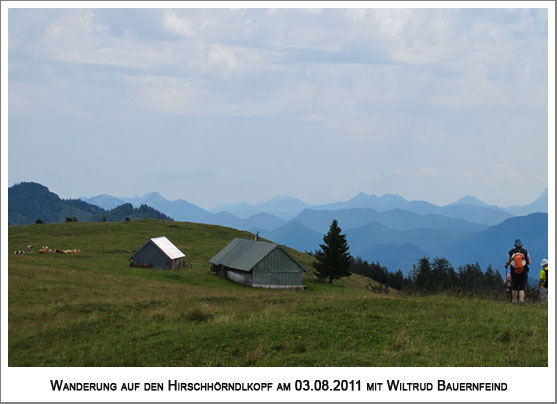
x=229, y=105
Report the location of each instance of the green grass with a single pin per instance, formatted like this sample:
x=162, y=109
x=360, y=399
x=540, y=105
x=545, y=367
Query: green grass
x=93, y=309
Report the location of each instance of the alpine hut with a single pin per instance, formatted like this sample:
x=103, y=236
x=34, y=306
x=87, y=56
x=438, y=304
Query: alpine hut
x=158, y=252
x=258, y=264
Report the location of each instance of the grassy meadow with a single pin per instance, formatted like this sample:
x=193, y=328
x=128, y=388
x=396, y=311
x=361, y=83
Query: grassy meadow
x=93, y=309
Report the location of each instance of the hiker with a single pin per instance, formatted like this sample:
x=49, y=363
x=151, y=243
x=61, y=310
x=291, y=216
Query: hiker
x=507, y=283
x=542, y=283
x=519, y=259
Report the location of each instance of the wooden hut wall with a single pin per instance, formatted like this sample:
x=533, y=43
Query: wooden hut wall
x=277, y=269
x=277, y=279
x=150, y=253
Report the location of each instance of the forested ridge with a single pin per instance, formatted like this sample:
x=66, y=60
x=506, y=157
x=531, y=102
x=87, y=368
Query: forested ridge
x=29, y=202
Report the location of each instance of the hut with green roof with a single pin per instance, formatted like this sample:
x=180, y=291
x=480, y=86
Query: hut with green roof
x=258, y=264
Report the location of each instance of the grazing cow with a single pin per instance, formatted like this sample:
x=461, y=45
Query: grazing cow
x=44, y=249
x=29, y=248
x=74, y=251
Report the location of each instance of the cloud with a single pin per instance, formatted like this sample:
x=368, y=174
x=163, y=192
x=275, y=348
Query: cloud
x=333, y=69
x=222, y=56
x=178, y=25
x=73, y=35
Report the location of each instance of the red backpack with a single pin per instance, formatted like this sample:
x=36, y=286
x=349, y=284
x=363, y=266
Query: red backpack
x=518, y=262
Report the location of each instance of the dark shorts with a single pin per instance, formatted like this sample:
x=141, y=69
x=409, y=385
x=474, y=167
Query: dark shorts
x=519, y=281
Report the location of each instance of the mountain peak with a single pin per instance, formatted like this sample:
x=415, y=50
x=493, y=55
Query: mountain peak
x=361, y=196
x=152, y=195
x=30, y=185
x=470, y=200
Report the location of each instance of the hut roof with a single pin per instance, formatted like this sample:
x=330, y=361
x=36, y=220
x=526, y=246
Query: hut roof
x=244, y=254
x=166, y=247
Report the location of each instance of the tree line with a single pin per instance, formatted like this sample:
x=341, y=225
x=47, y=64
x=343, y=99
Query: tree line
x=436, y=276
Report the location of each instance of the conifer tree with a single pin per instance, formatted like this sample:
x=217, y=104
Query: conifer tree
x=422, y=275
x=333, y=260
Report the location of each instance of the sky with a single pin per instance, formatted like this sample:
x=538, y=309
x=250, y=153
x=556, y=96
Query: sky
x=217, y=106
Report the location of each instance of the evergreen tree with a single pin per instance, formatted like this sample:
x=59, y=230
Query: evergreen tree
x=471, y=279
x=442, y=274
x=422, y=275
x=333, y=260
x=397, y=280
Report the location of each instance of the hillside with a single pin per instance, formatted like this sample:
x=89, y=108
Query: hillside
x=93, y=309
x=29, y=202
x=110, y=244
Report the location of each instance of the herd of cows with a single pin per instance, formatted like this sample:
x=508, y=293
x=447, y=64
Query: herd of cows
x=44, y=249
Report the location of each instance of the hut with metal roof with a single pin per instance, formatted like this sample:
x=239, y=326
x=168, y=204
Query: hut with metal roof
x=158, y=252
x=258, y=264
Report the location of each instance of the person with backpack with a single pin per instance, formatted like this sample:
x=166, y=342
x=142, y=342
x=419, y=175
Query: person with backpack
x=519, y=260
x=542, y=283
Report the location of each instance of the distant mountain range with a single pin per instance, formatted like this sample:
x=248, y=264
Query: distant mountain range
x=178, y=210
x=468, y=208
x=185, y=211
x=387, y=229
x=285, y=208
x=319, y=220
